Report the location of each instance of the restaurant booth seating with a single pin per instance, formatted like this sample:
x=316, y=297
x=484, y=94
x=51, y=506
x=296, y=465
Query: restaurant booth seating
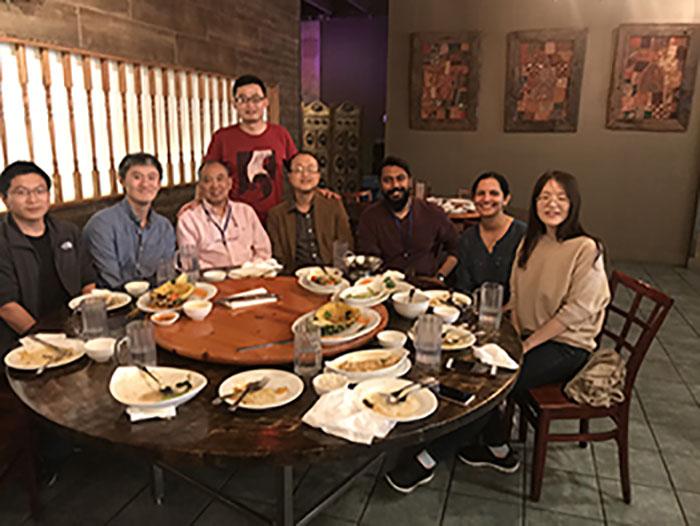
x=633, y=317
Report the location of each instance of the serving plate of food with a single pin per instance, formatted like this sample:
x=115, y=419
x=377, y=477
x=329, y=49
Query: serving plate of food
x=417, y=405
x=321, y=280
x=364, y=295
x=133, y=387
x=454, y=337
x=33, y=355
x=445, y=297
x=173, y=294
x=281, y=388
x=113, y=300
x=339, y=322
x=369, y=363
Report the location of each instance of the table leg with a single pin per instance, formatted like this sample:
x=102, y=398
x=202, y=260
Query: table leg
x=285, y=497
x=157, y=484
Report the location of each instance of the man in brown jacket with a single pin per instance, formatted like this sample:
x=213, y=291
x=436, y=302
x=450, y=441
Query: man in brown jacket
x=303, y=228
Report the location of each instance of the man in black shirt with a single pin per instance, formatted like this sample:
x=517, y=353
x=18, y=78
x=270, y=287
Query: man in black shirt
x=41, y=261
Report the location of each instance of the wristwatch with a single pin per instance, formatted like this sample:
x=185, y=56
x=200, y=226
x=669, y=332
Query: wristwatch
x=440, y=277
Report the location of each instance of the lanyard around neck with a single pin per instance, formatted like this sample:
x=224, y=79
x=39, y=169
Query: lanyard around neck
x=222, y=230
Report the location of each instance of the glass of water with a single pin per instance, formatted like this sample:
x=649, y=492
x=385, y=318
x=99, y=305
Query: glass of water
x=340, y=248
x=490, y=306
x=187, y=261
x=140, y=343
x=428, y=343
x=307, y=350
x=165, y=271
x=93, y=311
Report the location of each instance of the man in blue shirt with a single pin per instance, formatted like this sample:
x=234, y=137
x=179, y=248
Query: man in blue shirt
x=129, y=239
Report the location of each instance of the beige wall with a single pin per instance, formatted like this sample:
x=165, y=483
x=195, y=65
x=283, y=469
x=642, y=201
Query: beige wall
x=639, y=188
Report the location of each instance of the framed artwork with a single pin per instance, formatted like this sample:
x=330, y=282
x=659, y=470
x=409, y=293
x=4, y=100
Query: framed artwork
x=543, y=80
x=653, y=77
x=444, y=80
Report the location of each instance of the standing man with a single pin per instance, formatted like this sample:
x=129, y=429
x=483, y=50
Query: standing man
x=304, y=228
x=129, y=239
x=226, y=233
x=42, y=262
x=254, y=149
x=409, y=234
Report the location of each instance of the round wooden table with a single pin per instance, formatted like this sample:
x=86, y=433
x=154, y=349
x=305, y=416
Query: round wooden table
x=76, y=398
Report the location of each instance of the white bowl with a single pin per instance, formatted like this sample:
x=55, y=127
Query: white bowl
x=100, y=349
x=447, y=313
x=214, y=276
x=137, y=288
x=327, y=382
x=419, y=304
x=392, y=339
x=165, y=318
x=197, y=309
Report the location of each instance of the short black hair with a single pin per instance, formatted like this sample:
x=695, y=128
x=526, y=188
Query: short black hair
x=392, y=160
x=17, y=168
x=244, y=80
x=288, y=162
x=139, y=159
x=209, y=163
x=502, y=182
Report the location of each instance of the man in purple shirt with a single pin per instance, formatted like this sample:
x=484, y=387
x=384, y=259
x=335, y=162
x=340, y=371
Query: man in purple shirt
x=409, y=234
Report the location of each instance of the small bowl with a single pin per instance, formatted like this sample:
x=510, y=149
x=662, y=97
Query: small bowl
x=327, y=382
x=165, y=318
x=419, y=304
x=197, y=309
x=214, y=276
x=447, y=313
x=100, y=349
x=392, y=339
x=136, y=288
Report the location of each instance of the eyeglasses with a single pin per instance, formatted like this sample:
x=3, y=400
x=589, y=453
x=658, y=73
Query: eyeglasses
x=560, y=199
x=305, y=169
x=23, y=193
x=255, y=99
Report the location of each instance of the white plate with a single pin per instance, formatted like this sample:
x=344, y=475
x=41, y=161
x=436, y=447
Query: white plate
x=119, y=300
x=32, y=356
x=355, y=331
x=132, y=387
x=424, y=399
x=276, y=379
x=401, y=368
x=444, y=295
x=469, y=338
x=358, y=356
x=304, y=279
x=144, y=301
x=363, y=302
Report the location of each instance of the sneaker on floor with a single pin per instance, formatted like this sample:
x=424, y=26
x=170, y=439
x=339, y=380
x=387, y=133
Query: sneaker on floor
x=481, y=456
x=408, y=476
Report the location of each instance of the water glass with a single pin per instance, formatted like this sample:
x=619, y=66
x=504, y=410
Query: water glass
x=187, y=261
x=490, y=306
x=165, y=271
x=93, y=311
x=307, y=350
x=340, y=248
x=140, y=343
x=428, y=343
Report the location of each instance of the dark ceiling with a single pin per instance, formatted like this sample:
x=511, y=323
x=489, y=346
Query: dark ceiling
x=324, y=9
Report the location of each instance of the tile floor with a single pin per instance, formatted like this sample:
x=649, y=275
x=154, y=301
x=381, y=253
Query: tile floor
x=581, y=486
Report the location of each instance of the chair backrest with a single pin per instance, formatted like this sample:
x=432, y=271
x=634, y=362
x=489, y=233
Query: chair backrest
x=641, y=320
x=362, y=196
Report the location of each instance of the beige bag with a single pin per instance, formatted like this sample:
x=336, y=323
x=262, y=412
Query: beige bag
x=601, y=381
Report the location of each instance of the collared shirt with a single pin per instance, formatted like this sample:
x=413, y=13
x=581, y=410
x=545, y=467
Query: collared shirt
x=419, y=242
x=122, y=250
x=306, y=246
x=231, y=240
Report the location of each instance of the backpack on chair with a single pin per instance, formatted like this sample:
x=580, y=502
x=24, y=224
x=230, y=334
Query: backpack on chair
x=601, y=381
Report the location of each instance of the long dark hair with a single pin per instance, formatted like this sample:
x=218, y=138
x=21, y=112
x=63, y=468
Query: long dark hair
x=568, y=229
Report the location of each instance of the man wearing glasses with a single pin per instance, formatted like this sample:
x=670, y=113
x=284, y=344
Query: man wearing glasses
x=42, y=262
x=304, y=228
x=254, y=149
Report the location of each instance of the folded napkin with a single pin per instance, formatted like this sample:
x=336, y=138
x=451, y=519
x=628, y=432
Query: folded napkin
x=256, y=269
x=136, y=414
x=58, y=339
x=239, y=304
x=340, y=413
x=494, y=355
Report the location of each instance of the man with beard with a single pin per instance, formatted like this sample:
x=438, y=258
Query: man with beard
x=226, y=233
x=304, y=228
x=409, y=234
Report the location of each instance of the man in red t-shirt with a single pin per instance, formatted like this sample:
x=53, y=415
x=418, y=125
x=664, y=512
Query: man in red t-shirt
x=253, y=149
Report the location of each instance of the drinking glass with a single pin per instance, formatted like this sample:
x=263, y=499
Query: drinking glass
x=165, y=271
x=187, y=261
x=340, y=248
x=307, y=350
x=140, y=344
x=93, y=311
x=428, y=343
x=490, y=306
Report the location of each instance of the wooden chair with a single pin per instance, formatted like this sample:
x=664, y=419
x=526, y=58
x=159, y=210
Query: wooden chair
x=546, y=403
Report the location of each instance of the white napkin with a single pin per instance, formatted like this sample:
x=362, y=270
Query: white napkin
x=136, y=414
x=58, y=339
x=340, y=413
x=256, y=269
x=260, y=301
x=494, y=355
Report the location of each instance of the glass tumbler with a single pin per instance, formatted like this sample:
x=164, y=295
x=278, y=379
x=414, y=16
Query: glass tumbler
x=490, y=306
x=307, y=350
x=428, y=343
x=140, y=343
x=187, y=261
x=340, y=248
x=93, y=311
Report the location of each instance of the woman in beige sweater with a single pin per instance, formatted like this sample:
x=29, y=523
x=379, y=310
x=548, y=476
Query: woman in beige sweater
x=559, y=291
